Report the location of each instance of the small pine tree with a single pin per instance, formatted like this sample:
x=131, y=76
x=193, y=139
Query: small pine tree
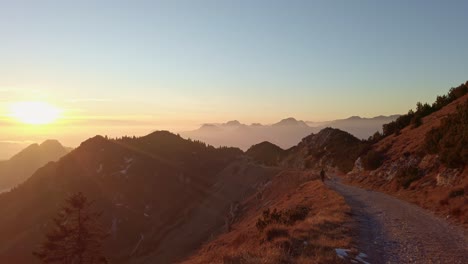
x=76, y=237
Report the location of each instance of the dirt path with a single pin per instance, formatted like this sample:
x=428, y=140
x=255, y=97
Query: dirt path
x=394, y=231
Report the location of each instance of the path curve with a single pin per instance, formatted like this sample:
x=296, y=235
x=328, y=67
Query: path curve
x=395, y=231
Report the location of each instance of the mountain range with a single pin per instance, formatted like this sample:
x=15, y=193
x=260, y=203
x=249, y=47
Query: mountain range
x=285, y=133
x=167, y=199
x=153, y=191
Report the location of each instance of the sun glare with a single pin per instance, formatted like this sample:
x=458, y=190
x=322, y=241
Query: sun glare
x=34, y=113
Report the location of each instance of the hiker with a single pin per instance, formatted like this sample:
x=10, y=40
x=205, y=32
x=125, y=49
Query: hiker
x=322, y=175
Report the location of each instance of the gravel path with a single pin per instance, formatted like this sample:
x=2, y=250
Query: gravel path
x=394, y=231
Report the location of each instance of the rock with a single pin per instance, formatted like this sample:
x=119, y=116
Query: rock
x=447, y=177
x=358, y=167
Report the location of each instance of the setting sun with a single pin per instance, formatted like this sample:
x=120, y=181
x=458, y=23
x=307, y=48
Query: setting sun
x=34, y=113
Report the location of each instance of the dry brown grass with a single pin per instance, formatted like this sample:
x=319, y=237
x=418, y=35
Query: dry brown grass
x=312, y=240
x=448, y=201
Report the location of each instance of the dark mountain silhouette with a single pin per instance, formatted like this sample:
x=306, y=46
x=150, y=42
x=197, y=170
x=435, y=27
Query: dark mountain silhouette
x=330, y=148
x=266, y=153
x=153, y=191
x=22, y=165
x=285, y=133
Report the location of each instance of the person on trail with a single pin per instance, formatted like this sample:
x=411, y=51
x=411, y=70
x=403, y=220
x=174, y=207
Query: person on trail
x=322, y=175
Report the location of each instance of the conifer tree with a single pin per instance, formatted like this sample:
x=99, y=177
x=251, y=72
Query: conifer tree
x=76, y=237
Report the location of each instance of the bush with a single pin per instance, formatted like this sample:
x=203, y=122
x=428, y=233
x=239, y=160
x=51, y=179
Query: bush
x=457, y=192
x=372, y=160
x=422, y=110
x=287, y=217
x=275, y=232
x=408, y=175
x=296, y=214
x=450, y=139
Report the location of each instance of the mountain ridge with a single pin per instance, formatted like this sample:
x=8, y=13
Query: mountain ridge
x=284, y=133
x=23, y=164
x=148, y=187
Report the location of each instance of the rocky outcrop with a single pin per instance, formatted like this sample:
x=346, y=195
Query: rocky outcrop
x=448, y=177
x=331, y=148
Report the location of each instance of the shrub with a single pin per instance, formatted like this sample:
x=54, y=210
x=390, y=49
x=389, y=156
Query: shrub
x=375, y=138
x=298, y=213
x=422, y=110
x=408, y=175
x=449, y=140
x=457, y=192
x=287, y=217
x=372, y=160
x=275, y=232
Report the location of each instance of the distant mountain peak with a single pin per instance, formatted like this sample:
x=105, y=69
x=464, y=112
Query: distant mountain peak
x=94, y=142
x=161, y=133
x=233, y=123
x=51, y=143
x=291, y=121
x=209, y=127
x=19, y=167
x=163, y=136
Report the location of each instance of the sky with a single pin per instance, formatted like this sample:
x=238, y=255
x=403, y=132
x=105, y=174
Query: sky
x=129, y=67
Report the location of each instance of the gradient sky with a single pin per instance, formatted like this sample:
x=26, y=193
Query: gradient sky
x=119, y=66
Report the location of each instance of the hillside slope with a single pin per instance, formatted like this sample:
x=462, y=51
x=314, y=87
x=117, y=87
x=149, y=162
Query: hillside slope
x=330, y=148
x=410, y=171
x=266, y=153
x=149, y=189
x=22, y=165
x=293, y=218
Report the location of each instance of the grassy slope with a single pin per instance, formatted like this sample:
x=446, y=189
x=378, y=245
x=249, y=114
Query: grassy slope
x=427, y=192
x=313, y=240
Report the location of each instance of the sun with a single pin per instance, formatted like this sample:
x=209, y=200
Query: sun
x=34, y=113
